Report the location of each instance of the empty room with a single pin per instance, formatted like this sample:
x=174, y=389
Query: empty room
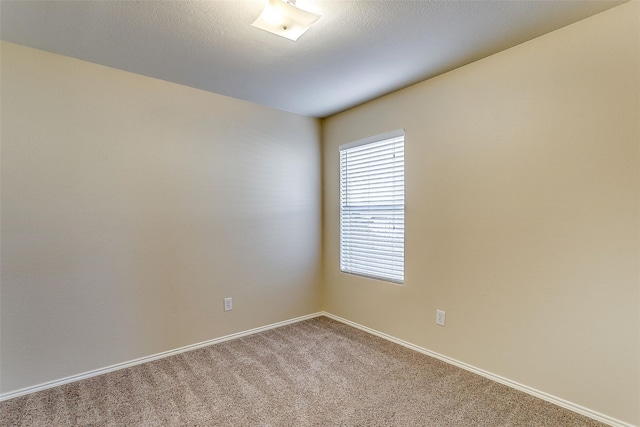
x=318, y=212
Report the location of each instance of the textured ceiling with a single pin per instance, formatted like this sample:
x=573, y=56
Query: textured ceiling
x=357, y=51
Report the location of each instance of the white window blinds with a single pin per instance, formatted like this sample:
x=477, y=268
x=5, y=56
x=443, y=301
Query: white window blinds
x=372, y=207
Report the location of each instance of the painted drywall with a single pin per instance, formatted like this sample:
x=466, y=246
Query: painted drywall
x=522, y=214
x=131, y=207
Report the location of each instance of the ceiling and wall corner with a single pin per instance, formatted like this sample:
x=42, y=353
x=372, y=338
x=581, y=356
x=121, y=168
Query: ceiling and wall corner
x=357, y=51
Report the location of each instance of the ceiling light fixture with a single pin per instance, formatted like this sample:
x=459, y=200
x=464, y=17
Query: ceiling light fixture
x=283, y=18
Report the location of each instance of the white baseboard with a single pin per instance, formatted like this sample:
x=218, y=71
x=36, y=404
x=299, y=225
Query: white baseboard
x=497, y=378
x=536, y=393
x=123, y=365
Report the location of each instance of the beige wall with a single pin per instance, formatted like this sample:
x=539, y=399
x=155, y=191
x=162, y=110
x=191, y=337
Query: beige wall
x=522, y=214
x=131, y=207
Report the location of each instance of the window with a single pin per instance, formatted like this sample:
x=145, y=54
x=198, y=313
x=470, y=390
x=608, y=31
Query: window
x=372, y=207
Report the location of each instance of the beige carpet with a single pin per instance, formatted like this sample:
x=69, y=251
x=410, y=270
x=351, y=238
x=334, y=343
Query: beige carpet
x=313, y=373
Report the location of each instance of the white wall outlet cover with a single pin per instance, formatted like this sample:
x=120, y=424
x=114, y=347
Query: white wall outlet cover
x=440, y=317
x=228, y=304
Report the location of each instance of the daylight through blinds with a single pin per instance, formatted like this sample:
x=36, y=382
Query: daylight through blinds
x=372, y=208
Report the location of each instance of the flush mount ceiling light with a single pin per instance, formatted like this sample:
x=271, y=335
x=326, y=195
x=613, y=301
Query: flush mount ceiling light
x=284, y=19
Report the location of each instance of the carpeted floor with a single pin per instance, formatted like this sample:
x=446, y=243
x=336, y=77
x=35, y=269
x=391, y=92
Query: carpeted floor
x=314, y=373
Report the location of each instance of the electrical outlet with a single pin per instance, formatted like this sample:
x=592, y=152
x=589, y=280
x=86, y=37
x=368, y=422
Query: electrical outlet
x=440, y=317
x=228, y=304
